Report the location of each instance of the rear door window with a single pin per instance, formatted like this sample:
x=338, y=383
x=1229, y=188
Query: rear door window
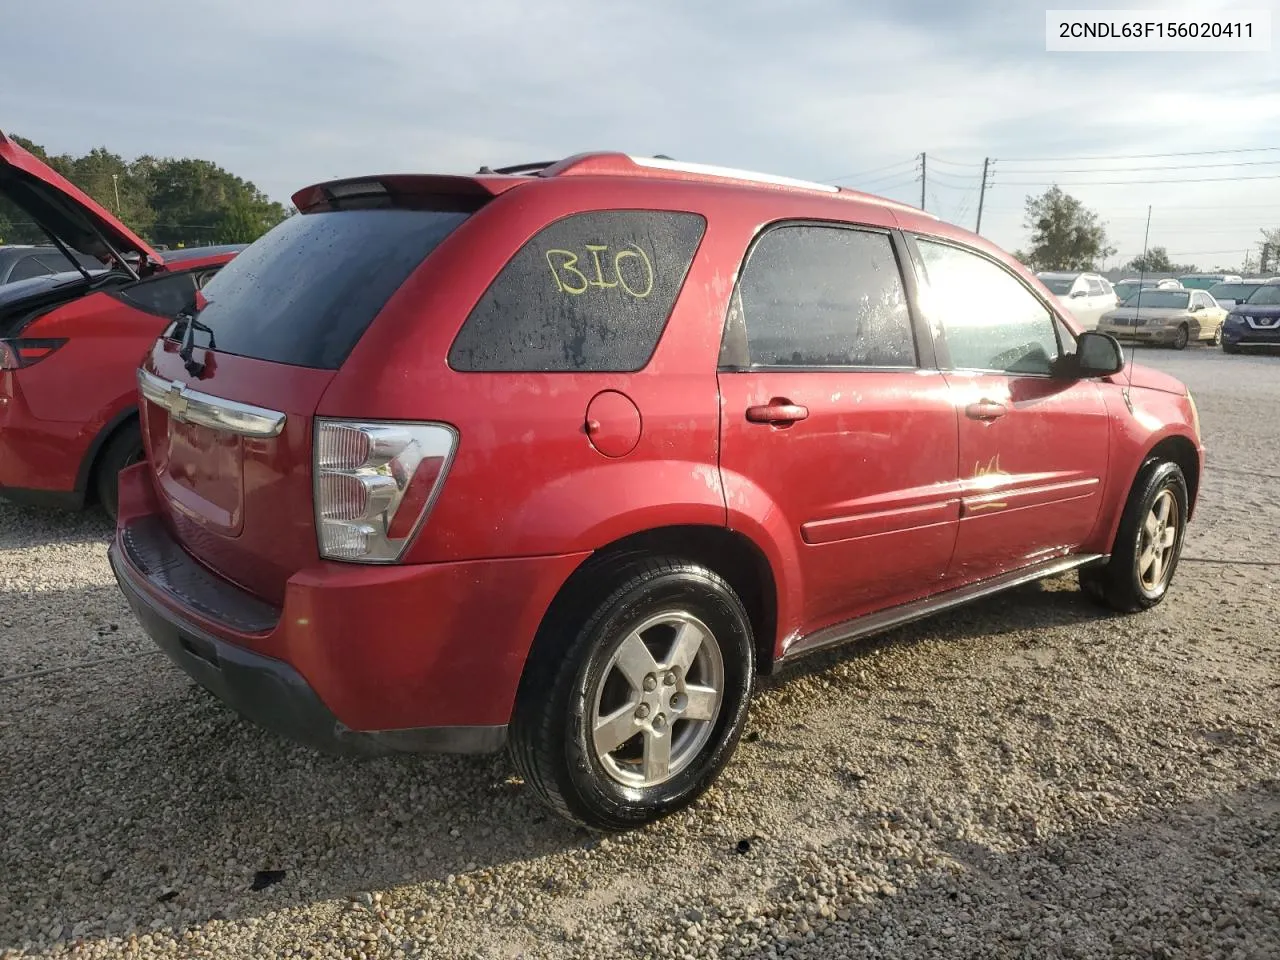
x=821, y=296
x=306, y=292
x=591, y=292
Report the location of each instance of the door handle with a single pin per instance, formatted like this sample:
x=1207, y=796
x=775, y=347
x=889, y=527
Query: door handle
x=987, y=410
x=777, y=412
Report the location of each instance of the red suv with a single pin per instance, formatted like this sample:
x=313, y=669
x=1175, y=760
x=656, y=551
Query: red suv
x=70, y=342
x=561, y=457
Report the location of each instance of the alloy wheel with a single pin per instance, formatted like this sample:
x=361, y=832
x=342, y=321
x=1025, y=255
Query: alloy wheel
x=1157, y=541
x=656, y=702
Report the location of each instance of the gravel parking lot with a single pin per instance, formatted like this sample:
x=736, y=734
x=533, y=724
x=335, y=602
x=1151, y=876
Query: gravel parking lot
x=1028, y=777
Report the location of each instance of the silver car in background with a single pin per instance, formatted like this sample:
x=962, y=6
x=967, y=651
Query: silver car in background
x=1167, y=317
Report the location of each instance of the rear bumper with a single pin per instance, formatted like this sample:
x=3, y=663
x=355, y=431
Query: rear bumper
x=360, y=659
x=275, y=696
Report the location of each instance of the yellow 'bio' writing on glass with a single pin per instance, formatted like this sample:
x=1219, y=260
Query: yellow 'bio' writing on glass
x=632, y=270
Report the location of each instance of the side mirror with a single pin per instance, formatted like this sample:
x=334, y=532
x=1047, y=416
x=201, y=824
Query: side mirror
x=1098, y=355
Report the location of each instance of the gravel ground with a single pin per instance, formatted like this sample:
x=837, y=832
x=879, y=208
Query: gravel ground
x=1026, y=777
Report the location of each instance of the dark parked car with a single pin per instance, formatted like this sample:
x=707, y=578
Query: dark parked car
x=562, y=458
x=25, y=262
x=1254, y=323
x=70, y=342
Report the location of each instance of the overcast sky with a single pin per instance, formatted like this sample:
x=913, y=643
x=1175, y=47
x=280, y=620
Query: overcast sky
x=288, y=92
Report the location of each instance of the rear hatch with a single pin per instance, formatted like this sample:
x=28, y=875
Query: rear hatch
x=229, y=399
x=68, y=215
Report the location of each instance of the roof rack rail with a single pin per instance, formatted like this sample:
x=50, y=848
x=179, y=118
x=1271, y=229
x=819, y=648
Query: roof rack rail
x=516, y=168
x=614, y=163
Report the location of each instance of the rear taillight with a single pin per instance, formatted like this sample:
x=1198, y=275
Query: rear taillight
x=15, y=354
x=375, y=483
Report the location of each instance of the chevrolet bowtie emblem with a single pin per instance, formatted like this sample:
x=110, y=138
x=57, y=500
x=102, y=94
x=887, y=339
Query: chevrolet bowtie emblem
x=176, y=402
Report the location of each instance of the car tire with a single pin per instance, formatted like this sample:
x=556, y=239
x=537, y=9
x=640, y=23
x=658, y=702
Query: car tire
x=1217, y=336
x=602, y=668
x=1148, y=544
x=1182, y=337
x=124, y=449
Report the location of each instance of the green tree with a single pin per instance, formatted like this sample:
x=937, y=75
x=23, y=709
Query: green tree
x=196, y=201
x=1270, y=259
x=1065, y=235
x=1156, y=261
x=170, y=201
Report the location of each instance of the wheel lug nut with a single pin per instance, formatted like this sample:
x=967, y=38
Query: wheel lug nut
x=660, y=722
x=642, y=711
x=670, y=678
x=650, y=682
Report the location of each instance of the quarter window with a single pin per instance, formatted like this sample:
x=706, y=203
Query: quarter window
x=590, y=293
x=816, y=296
x=990, y=320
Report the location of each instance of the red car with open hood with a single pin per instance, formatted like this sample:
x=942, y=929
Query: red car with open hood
x=561, y=457
x=70, y=342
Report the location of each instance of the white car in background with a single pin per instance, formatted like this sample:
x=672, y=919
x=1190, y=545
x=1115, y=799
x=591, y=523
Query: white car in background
x=1086, y=295
x=1127, y=287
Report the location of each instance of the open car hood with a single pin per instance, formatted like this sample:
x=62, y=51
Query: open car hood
x=66, y=211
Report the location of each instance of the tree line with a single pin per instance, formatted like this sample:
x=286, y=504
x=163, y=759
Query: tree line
x=1067, y=235
x=168, y=201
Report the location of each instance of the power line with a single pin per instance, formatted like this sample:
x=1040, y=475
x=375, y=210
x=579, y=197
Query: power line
x=876, y=188
x=1132, y=183
x=1204, y=253
x=863, y=173
x=1175, y=166
x=911, y=174
x=953, y=163
x=1251, y=207
x=1142, y=156
x=965, y=178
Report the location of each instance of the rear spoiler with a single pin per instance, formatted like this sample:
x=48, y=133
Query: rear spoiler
x=434, y=191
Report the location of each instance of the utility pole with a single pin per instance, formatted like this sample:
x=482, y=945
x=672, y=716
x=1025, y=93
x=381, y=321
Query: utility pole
x=922, y=178
x=115, y=182
x=982, y=193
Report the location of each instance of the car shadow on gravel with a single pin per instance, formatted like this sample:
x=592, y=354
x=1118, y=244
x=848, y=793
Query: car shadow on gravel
x=137, y=798
x=23, y=527
x=143, y=800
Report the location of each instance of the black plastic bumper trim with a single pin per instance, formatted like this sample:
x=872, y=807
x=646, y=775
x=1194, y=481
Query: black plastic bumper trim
x=272, y=694
x=167, y=567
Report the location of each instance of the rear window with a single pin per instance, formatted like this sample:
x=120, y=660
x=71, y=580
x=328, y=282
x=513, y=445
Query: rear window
x=591, y=292
x=1059, y=285
x=306, y=292
x=1232, y=291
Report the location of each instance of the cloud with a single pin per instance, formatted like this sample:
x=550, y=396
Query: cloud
x=288, y=92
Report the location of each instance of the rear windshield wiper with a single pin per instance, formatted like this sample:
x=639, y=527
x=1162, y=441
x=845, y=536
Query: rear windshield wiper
x=187, y=350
